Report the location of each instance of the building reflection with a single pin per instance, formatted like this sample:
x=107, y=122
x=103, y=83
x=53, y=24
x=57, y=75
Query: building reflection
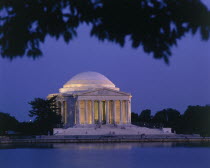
x=111, y=146
x=105, y=146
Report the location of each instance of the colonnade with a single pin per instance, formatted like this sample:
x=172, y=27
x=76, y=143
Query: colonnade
x=62, y=110
x=97, y=111
x=103, y=112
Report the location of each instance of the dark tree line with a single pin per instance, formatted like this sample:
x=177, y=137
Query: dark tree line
x=45, y=113
x=45, y=118
x=7, y=123
x=156, y=25
x=195, y=120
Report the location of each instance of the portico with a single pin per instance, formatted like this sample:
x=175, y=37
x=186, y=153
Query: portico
x=99, y=111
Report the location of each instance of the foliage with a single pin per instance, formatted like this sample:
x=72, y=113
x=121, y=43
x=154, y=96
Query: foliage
x=134, y=117
x=45, y=113
x=156, y=25
x=7, y=123
x=167, y=118
x=196, y=119
x=145, y=116
x=28, y=128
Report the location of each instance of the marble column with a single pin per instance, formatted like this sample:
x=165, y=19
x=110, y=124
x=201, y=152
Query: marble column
x=129, y=114
x=66, y=112
x=127, y=111
x=62, y=113
x=78, y=111
x=92, y=107
x=57, y=106
x=100, y=111
x=107, y=111
x=114, y=111
x=121, y=112
x=86, y=112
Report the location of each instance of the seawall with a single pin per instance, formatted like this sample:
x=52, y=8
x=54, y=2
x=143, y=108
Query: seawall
x=104, y=139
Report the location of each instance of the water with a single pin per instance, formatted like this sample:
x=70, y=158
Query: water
x=106, y=155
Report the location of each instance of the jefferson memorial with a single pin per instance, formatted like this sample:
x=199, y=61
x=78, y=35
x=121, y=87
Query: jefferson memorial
x=91, y=98
x=90, y=104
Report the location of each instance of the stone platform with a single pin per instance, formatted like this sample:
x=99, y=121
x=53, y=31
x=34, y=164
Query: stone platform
x=109, y=130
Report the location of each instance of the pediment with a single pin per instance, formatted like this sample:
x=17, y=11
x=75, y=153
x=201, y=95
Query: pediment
x=104, y=92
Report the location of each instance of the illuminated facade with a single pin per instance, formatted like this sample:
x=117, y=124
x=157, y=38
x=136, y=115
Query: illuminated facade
x=90, y=98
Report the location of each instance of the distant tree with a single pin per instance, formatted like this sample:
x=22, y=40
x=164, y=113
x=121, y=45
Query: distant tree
x=134, y=118
x=145, y=116
x=7, y=123
x=167, y=118
x=196, y=120
x=156, y=25
x=45, y=113
x=28, y=128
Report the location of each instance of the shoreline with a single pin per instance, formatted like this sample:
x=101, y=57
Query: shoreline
x=103, y=139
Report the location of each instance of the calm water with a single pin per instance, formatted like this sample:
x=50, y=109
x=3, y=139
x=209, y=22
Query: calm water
x=116, y=155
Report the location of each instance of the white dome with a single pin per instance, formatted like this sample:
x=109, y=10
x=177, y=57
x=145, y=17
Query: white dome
x=87, y=81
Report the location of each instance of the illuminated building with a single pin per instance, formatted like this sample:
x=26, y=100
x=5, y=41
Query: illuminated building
x=90, y=98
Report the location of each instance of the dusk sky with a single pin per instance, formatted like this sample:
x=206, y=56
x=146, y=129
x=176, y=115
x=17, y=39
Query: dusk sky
x=153, y=84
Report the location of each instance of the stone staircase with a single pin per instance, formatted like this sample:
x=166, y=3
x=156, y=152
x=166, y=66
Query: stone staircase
x=108, y=130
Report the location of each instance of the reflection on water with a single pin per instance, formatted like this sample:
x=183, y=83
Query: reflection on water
x=128, y=146
x=103, y=155
x=106, y=146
